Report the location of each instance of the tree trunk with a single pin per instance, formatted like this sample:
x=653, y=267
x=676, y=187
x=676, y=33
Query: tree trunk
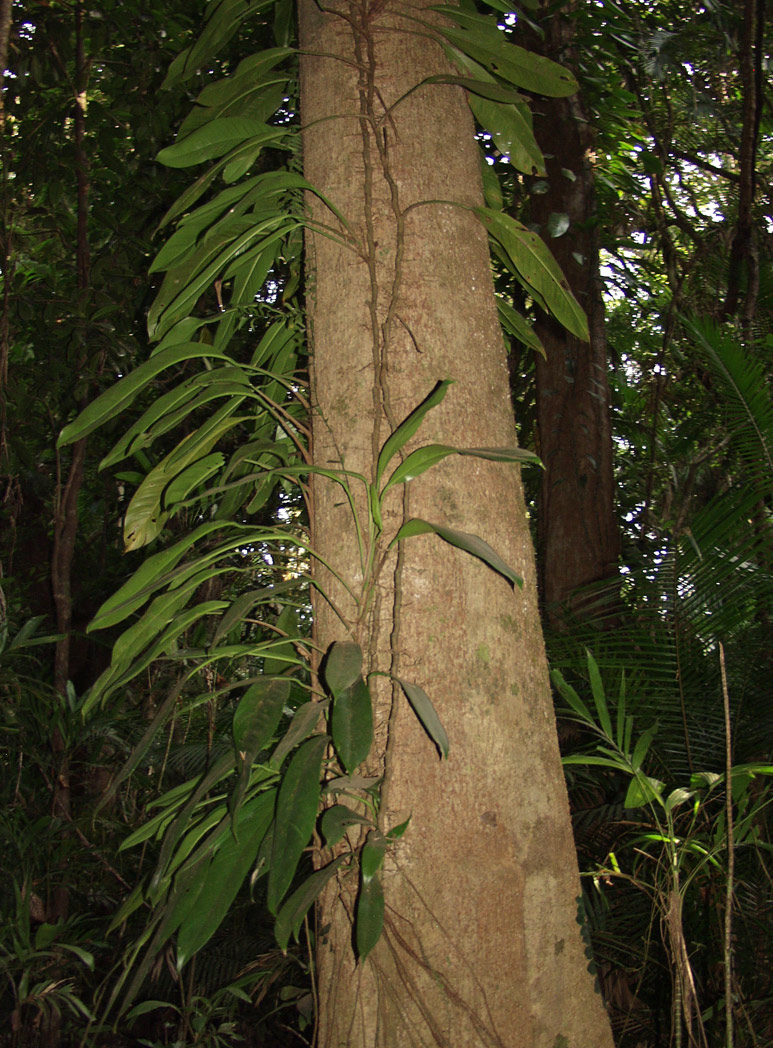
x=578, y=540
x=481, y=944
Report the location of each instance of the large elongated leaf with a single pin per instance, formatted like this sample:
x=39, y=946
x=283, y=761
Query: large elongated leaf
x=370, y=915
x=510, y=127
x=136, y=590
x=343, y=665
x=122, y=394
x=529, y=256
x=481, y=38
x=224, y=877
x=290, y=917
x=223, y=18
x=352, y=724
x=427, y=714
x=515, y=324
x=149, y=509
x=462, y=540
x=257, y=716
x=296, y=813
x=424, y=458
x=213, y=140
x=408, y=427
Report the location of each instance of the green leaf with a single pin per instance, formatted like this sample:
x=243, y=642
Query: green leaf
x=462, y=540
x=122, y=395
x=641, y=749
x=516, y=325
x=290, y=917
x=343, y=665
x=146, y=579
x=482, y=40
x=558, y=223
x=352, y=724
x=678, y=796
x=643, y=790
x=149, y=510
x=408, y=427
x=424, y=458
x=372, y=855
x=257, y=716
x=489, y=88
x=599, y=695
x=529, y=257
x=225, y=876
x=302, y=725
x=510, y=127
x=423, y=708
x=570, y=697
x=296, y=813
x=370, y=916
x=213, y=140
x=336, y=820
x=282, y=651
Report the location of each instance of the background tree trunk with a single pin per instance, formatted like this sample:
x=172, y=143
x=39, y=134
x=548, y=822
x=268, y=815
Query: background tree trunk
x=481, y=943
x=578, y=540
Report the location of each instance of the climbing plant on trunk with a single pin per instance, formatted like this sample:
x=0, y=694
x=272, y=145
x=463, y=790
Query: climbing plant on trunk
x=416, y=722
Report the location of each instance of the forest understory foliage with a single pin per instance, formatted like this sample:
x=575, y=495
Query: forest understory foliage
x=184, y=769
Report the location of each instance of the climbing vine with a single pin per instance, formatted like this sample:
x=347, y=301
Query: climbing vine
x=222, y=446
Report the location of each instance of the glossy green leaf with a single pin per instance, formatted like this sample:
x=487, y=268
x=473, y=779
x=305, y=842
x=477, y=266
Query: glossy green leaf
x=184, y=285
x=257, y=716
x=222, y=19
x=192, y=477
x=408, y=427
x=290, y=917
x=352, y=724
x=122, y=395
x=423, y=708
x=643, y=790
x=336, y=820
x=488, y=88
x=372, y=855
x=516, y=325
x=342, y=666
x=370, y=916
x=510, y=127
x=481, y=39
x=303, y=723
x=641, y=749
x=462, y=540
x=224, y=877
x=282, y=654
x=424, y=458
x=213, y=140
x=570, y=696
x=118, y=675
x=296, y=813
x=138, y=589
x=531, y=258
x=147, y=512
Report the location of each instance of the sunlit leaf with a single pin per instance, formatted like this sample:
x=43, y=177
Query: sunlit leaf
x=530, y=257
